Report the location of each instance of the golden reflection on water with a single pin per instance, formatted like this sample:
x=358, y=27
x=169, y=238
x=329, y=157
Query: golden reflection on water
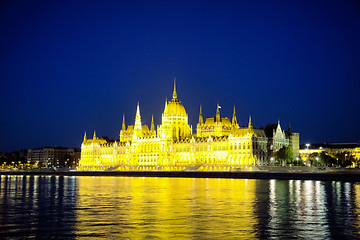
x=165, y=208
x=357, y=209
x=176, y=208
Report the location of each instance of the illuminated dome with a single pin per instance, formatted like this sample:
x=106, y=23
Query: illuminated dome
x=174, y=107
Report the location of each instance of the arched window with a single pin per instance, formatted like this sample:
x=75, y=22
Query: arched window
x=174, y=132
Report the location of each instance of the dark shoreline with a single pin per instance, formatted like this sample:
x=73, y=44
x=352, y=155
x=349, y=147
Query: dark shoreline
x=323, y=176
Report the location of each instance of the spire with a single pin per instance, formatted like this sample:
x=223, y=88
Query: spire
x=152, y=123
x=165, y=105
x=278, y=128
x=289, y=129
x=94, y=137
x=85, y=139
x=137, y=118
x=234, y=121
x=201, y=121
x=250, y=122
x=217, y=113
x=174, y=93
x=123, y=124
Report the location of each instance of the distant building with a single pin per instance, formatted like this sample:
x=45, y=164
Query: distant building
x=294, y=142
x=279, y=138
x=219, y=144
x=345, y=150
x=13, y=158
x=53, y=156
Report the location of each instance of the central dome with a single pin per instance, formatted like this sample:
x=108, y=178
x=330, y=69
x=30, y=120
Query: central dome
x=174, y=107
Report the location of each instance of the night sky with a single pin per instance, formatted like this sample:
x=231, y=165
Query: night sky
x=67, y=67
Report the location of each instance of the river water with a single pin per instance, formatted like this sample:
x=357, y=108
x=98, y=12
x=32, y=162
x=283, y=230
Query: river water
x=55, y=207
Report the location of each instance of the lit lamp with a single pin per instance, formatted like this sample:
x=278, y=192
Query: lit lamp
x=307, y=150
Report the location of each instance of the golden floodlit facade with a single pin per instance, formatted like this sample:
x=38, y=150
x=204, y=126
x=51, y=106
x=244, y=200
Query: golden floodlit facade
x=219, y=144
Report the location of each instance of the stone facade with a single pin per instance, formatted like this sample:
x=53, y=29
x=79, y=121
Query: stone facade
x=219, y=144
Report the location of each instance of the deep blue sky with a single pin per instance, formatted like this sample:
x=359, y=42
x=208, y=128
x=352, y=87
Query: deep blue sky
x=67, y=67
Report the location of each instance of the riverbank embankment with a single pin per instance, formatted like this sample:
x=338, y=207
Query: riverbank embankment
x=352, y=175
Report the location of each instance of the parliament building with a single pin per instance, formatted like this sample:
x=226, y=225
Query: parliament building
x=218, y=145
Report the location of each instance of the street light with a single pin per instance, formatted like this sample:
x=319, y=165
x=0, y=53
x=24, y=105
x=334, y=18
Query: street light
x=307, y=151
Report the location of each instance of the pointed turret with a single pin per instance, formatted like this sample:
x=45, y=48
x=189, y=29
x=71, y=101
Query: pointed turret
x=278, y=128
x=94, y=137
x=123, y=124
x=85, y=139
x=201, y=120
x=250, y=122
x=234, y=121
x=217, y=119
x=137, y=127
x=137, y=118
x=152, y=128
x=289, y=129
x=174, y=93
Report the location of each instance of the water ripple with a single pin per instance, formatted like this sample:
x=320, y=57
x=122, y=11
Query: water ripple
x=44, y=207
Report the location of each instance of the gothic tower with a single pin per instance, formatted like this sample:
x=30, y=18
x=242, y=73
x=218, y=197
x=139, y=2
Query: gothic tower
x=174, y=120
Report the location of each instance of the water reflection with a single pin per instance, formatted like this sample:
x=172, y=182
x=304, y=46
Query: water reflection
x=37, y=206
x=177, y=208
x=356, y=198
x=312, y=210
x=167, y=208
